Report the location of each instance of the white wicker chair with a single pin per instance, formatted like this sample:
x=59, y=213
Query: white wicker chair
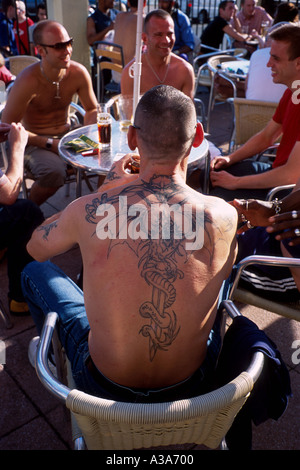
x=106, y=424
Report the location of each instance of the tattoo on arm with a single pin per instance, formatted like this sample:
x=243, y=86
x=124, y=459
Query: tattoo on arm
x=47, y=229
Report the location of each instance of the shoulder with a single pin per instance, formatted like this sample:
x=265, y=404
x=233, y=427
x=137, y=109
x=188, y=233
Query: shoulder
x=28, y=77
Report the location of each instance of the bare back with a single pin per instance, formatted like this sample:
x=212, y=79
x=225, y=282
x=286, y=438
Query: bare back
x=151, y=302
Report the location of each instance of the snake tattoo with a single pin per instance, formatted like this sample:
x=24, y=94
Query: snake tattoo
x=157, y=260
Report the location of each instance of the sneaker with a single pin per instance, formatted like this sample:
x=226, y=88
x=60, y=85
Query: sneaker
x=32, y=351
x=18, y=308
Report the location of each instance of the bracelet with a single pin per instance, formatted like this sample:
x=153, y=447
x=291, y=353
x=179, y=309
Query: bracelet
x=276, y=204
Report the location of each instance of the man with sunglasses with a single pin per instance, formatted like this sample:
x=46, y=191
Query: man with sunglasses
x=40, y=98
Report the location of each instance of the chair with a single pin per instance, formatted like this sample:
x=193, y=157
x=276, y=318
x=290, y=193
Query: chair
x=241, y=294
x=106, y=424
x=250, y=117
x=214, y=64
x=18, y=62
x=113, y=53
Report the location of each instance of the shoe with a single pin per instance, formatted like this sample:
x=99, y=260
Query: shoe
x=18, y=308
x=32, y=351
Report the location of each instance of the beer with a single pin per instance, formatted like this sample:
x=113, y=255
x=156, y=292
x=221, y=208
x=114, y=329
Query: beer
x=104, y=129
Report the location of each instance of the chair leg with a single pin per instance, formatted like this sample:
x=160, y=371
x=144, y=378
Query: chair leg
x=5, y=316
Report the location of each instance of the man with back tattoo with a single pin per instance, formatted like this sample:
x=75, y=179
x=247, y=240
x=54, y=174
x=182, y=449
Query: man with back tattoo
x=155, y=253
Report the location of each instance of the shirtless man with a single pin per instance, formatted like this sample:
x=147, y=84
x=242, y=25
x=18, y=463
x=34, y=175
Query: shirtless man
x=159, y=64
x=40, y=98
x=149, y=298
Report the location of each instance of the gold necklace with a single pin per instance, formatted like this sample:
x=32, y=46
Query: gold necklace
x=57, y=96
x=160, y=81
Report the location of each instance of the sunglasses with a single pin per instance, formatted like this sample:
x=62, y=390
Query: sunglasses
x=59, y=46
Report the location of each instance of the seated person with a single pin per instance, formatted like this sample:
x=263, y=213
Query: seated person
x=5, y=75
x=159, y=64
x=271, y=234
x=145, y=301
x=18, y=217
x=233, y=176
x=184, y=36
x=125, y=34
x=259, y=81
x=214, y=32
x=40, y=98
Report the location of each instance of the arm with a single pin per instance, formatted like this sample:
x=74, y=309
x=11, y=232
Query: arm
x=10, y=183
x=189, y=82
x=256, y=144
x=233, y=33
x=91, y=34
x=55, y=235
x=87, y=96
x=285, y=174
x=126, y=80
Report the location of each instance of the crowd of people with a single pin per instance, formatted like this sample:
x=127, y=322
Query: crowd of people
x=160, y=295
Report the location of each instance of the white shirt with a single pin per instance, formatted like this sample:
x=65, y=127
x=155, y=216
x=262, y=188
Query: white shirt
x=260, y=85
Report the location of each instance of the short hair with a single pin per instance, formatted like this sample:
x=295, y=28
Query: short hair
x=39, y=29
x=286, y=12
x=6, y=4
x=133, y=3
x=163, y=14
x=223, y=4
x=289, y=33
x=166, y=119
x=21, y=5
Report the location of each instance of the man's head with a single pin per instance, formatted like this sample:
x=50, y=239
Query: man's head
x=166, y=123
x=8, y=7
x=226, y=9
x=167, y=5
x=248, y=7
x=41, y=12
x=159, y=33
x=20, y=9
x=53, y=43
x=285, y=54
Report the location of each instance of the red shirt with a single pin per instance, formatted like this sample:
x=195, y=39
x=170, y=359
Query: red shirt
x=21, y=31
x=288, y=115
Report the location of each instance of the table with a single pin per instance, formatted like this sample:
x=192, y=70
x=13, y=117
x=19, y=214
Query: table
x=232, y=68
x=102, y=163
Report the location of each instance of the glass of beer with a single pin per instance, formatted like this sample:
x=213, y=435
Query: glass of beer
x=125, y=109
x=104, y=125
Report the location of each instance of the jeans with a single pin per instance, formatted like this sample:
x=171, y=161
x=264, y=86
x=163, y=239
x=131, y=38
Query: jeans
x=17, y=222
x=243, y=168
x=46, y=288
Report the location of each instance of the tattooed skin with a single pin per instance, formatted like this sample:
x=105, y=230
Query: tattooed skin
x=157, y=258
x=47, y=229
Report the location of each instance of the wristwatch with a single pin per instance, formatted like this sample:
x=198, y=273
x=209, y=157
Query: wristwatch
x=49, y=143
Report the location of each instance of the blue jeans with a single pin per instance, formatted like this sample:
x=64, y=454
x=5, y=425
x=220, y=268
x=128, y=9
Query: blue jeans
x=47, y=289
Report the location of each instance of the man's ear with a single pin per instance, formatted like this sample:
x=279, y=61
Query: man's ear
x=131, y=138
x=199, y=136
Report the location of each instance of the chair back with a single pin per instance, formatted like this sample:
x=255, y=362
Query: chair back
x=19, y=62
x=107, y=424
x=250, y=117
x=115, y=61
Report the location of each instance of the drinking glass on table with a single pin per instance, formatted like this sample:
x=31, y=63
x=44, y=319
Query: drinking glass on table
x=126, y=111
x=104, y=125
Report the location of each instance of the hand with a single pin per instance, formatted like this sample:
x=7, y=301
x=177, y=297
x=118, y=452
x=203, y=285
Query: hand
x=4, y=130
x=288, y=224
x=220, y=162
x=17, y=137
x=253, y=213
x=223, y=179
x=118, y=174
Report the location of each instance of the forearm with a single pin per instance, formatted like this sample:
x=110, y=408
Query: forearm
x=253, y=146
x=268, y=179
x=90, y=117
x=41, y=142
